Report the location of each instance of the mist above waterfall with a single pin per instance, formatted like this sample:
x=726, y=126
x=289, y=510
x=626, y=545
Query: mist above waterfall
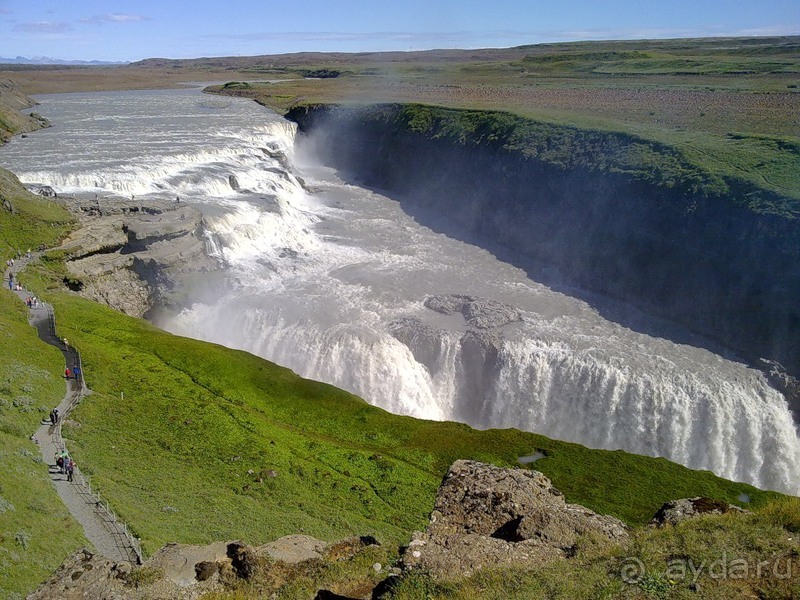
x=338, y=283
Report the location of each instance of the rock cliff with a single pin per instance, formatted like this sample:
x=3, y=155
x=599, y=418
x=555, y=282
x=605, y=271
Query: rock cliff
x=134, y=255
x=488, y=517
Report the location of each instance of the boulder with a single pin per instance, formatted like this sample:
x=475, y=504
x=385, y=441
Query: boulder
x=677, y=511
x=477, y=312
x=244, y=559
x=292, y=549
x=486, y=516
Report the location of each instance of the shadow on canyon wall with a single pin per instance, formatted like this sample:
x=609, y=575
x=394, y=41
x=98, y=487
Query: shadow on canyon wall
x=728, y=275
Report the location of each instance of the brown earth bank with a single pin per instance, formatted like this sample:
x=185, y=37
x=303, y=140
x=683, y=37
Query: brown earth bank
x=55, y=80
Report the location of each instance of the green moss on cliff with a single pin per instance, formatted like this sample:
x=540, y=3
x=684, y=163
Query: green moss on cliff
x=570, y=148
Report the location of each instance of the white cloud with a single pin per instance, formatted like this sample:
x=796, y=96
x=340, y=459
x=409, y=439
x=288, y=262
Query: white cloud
x=43, y=27
x=472, y=38
x=115, y=18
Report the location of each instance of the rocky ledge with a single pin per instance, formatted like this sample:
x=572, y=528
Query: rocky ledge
x=485, y=516
x=135, y=254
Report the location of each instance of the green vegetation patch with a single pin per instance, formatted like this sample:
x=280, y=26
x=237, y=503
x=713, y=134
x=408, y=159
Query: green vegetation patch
x=36, y=530
x=26, y=220
x=193, y=442
x=716, y=557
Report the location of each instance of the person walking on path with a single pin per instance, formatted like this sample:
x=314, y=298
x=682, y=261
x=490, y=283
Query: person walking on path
x=70, y=469
x=76, y=372
x=66, y=345
x=67, y=373
x=64, y=461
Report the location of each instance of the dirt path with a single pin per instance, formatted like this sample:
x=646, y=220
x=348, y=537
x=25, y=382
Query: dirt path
x=102, y=528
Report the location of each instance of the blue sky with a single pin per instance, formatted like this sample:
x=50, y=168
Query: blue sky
x=132, y=30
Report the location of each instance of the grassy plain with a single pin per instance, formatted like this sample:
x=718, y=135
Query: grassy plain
x=729, y=106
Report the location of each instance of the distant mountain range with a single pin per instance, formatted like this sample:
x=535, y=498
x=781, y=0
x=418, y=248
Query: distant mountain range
x=46, y=60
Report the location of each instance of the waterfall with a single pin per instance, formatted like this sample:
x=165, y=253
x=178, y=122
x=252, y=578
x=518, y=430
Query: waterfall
x=339, y=284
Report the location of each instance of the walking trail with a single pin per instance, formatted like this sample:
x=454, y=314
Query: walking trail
x=101, y=526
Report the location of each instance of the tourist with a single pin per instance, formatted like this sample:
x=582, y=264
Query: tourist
x=67, y=373
x=66, y=345
x=76, y=371
x=70, y=469
x=55, y=416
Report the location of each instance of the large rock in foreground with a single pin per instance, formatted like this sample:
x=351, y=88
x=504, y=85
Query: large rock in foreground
x=485, y=516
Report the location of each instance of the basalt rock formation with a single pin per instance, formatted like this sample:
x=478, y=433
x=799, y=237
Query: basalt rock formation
x=485, y=516
x=133, y=255
x=677, y=511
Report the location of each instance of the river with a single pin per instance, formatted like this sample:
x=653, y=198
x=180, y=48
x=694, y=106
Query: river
x=338, y=283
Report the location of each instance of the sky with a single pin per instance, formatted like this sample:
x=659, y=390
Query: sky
x=115, y=30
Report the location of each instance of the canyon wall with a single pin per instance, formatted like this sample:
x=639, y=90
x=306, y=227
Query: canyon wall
x=611, y=213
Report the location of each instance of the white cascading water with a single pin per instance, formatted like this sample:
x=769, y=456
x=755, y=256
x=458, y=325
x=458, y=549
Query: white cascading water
x=336, y=283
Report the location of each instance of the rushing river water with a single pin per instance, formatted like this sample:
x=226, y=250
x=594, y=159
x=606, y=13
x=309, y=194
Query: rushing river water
x=339, y=284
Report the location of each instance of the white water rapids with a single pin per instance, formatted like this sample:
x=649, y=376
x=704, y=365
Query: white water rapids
x=331, y=280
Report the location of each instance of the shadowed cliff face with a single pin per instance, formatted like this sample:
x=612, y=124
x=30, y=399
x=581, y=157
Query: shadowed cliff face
x=703, y=261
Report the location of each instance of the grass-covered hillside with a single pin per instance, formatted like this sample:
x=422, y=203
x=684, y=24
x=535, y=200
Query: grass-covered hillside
x=36, y=530
x=193, y=442
x=12, y=121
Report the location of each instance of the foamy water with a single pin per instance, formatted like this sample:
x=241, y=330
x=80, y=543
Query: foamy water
x=330, y=280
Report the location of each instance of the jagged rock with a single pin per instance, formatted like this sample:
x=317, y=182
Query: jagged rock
x=205, y=570
x=132, y=255
x=477, y=312
x=424, y=341
x=176, y=571
x=46, y=191
x=485, y=516
x=244, y=559
x=677, y=511
x=85, y=575
x=178, y=561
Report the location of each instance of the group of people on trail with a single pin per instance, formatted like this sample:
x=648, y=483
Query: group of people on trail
x=32, y=302
x=75, y=373
x=65, y=464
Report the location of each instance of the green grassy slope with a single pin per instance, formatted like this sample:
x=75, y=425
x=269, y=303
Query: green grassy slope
x=36, y=530
x=31, y=220
x=195, y=442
